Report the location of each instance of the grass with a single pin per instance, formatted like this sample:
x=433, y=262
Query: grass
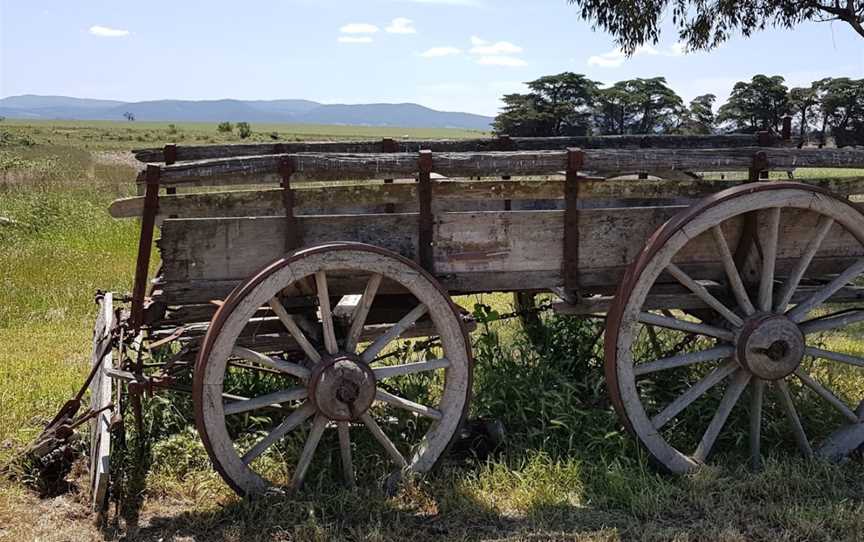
x=114, y=135
x=567, y=470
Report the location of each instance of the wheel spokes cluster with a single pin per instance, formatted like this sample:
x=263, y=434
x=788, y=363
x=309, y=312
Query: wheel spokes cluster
x=317, y=359
x=786, y=308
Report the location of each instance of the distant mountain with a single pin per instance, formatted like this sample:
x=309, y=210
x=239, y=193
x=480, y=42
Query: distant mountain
x=406, y=115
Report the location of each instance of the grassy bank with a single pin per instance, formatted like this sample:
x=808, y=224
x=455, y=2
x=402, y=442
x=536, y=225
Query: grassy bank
x=567, y=470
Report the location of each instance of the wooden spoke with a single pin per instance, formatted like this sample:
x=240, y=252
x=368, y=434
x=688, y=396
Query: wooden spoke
x=410, y=368
x=395, y=400
x=326, y=315
x=769, y=260
x=696, y=391
x=703, y=294
x=833, y=356
x=832, y=321
x=318, y=426
x=392, y=333
x=791, y=284
x=683, y=325
x=757, y=398
x=732, y=271
x=274, y=363
x=730, y=399
x=276, y=398
x=798, y=312
x=358, y=319
x=681, y=360
x=789, y=408
x=345, y=452
x=291, y=325
x=288, y=424
x=384, y=440
x=826, y=394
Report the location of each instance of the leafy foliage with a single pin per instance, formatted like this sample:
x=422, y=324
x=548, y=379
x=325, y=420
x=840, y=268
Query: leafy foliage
x=756, y=105
x=705, y=25
x=225, y=127
x=244, y=130
x=639, y=106
x=557, y=105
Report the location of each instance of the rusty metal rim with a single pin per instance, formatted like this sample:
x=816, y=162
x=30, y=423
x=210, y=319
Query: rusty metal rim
x=242, y=290
x=652, y=246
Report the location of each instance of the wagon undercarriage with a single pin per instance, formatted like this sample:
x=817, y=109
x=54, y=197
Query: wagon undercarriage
x=316, y=314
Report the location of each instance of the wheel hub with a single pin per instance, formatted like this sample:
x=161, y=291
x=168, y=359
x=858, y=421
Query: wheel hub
x=771, y=346
x=342, y=387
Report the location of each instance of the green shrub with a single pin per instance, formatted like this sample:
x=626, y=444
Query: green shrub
x=244, y=130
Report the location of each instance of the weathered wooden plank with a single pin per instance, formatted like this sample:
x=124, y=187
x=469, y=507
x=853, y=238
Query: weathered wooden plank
x=100, y=396
x=475, y=251
x=199, y=152
x=347, y=199
x=346, y=167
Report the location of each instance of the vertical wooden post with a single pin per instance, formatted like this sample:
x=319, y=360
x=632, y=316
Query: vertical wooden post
x=787, y=128
x=170, y=155
x=145, y=244
x=572, y=185
x=504, y=143
x=758, y=167
x=389, y=145
x=425, y=220
x=292, y=233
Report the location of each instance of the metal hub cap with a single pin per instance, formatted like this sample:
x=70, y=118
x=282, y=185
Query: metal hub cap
x=342, y=387
x=770, y=346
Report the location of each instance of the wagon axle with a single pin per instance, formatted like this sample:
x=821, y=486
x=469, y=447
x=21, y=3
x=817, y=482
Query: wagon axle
x=771, y=346
x=342, y=387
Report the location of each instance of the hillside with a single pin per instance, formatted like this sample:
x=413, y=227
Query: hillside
x=283, y=111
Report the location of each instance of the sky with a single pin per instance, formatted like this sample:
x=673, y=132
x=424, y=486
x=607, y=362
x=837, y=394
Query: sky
x=454, y=55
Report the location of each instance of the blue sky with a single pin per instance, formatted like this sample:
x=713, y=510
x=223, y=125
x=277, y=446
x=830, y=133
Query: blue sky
x=447, y=54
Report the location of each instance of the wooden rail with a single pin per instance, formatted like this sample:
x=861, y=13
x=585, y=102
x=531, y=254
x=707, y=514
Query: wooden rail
x=202, y=152
x=357, y=167
x=365, y=198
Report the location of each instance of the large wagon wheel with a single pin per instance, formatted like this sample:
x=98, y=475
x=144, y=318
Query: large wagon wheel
x=341, y=377
x=775, y=331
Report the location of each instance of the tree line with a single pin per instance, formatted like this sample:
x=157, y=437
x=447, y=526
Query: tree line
x=570, y=104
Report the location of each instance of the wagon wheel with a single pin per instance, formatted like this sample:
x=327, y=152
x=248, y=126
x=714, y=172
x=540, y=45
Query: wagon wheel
x=341, y=377
x=774, y=332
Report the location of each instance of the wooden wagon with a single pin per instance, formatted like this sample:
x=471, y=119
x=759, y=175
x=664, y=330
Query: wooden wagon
x=307, y=283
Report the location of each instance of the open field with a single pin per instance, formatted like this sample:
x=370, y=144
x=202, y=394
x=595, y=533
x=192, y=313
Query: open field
x=567, y=471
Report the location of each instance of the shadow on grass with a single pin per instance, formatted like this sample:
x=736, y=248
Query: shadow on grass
x=543, y=498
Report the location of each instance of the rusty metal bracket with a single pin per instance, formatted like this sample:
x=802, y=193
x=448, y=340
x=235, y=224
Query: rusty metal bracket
x=292, y=226
x=145, y=244
x=572, y=187
x=426, y=219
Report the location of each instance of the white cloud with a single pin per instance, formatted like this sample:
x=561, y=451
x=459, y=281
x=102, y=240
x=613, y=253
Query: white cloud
x=497, y=48
x=359, y=28
x=499, y=53
x=401, y=25
x=616, y=57
x=501, y=60
x=436, y=52
x=612, y=59
x=106, y=32
x=354, y=39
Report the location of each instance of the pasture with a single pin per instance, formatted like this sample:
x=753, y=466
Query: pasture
x=567, y=469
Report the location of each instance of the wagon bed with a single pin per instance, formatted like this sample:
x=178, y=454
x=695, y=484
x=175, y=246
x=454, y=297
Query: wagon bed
x=522, y=215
